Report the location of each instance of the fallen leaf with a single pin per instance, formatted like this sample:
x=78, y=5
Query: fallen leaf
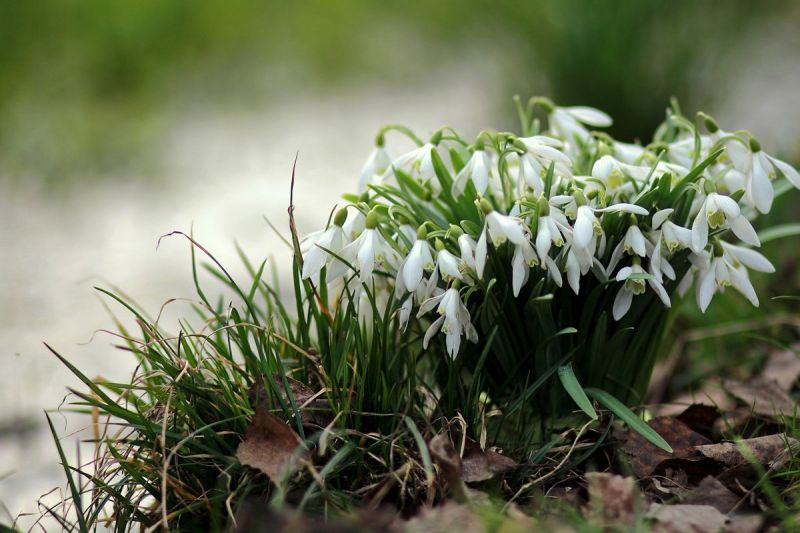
x=269, y=445
x=745, y=523
x=446, y=458
x=712, y=492
x=313, y=407
x=480, y=465
x=685, y=518
x=772, y=451
x=700, y=419
x=763, y=396
x=612, y=499
x=645, y=458
x=783, y=367
x=711, y=393
x=445, y=519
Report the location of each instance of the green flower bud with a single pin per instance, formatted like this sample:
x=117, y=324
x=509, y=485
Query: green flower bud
x=455, y=231
x=436, y=138
x=340, y=217
x=543, y=207
x=485, y=206
x=422, y=232
x=709, y=187
x=755, y=146
x=439, y=245
x=371, y=221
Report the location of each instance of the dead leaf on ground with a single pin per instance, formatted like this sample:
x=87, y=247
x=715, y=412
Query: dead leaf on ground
x=712, y=492
x=711, y=393
x=313, y=406
x=645, y=458
x=745, y=523
x=763, y=396
x=685, y=518
x=772, y=451
x=445, y=519
x=480, y=465
x=701, y=419
x=446, y=458
x=783, y=367
x=612, y=499
x=269, y=445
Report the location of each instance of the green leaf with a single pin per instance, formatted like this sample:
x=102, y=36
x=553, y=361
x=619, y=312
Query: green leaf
x=629, y=417
x=73, y=488
x=575, y=391
x=779, y=232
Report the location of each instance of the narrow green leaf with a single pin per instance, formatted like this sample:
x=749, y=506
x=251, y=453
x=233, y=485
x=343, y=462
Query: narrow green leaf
x=779, y=232
x=575, y=391
x=629, y=417
x=73, y=489
x=423, y=448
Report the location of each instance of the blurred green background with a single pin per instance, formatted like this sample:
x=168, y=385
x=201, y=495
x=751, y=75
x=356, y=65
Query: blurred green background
x=122, y=120
x=87, y=87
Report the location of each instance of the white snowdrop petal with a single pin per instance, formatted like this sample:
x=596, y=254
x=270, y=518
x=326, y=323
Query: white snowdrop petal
x=589, y=116
x=622, y=303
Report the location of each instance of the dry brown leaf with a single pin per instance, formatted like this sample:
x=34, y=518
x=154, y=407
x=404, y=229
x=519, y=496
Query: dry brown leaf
x=712, y=492
x=269, y=445
x=612, y=499
x=445, y=519
x=711, y=393
x=480, y=465
x=446, y=458
x=783, y=367
x=745, y=523
x=313, y=406
x=771, y=451
x=763, y=396
x=685, y=518
x=645, y=458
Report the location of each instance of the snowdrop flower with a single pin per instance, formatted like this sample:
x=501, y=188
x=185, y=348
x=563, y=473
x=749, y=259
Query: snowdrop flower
x=586, y=223
x=454, y=320
x=500, y=228
x=524, y=258
x=447, y=264
x=634, y=284
x=628, y=153
x=330, y=240
x=418, y=163
x=466, y=246
x=376, y=165
x=758, y=168
x=675, y=237
x=633, y=243
x=717, y=211
x=354, y=224
x=570, y=122
x=540, y=153
x=478, y=169
x=548, y=229
x=419, y=259
x=728, y=267
x=369, y=250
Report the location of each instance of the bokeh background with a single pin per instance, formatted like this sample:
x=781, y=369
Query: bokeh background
x=121, y=121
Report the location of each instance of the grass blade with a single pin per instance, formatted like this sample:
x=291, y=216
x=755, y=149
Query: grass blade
x=629, y=417
x=570, y=382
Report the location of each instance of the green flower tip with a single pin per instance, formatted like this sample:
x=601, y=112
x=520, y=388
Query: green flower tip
x=436, y=138
x=545, y=103
x=364, y=197
x=755, y=146
x=455, y=231
x=485, y=206
x=340, y=217
x=380, y=141
x=422, y=232
x=710, y=123
x=439, y=245
x=543, y=206
x=372, y=220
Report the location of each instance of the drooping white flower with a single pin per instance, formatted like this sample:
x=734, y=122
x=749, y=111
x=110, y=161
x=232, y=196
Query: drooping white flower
x=570, y=123
x=375, y=166
x=466, y=246
x=728, y=267
x=542, y=151
x=758, y=168
x=718, y=211
x=411, y=270
x=368, y=251
x=524, y=258
x=499, y=228
x=587, y=225
x=675, y=237
x=317, y=247
x=418, y=163
x=354, y=224
x=633, y=243
x=448, y=265
x=478, y=169
x=331, y=240
x=454, y=320
x=635, y=281
x=550, y=228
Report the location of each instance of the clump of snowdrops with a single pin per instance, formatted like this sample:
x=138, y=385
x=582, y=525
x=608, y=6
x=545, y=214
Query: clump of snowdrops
x=553, y=252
